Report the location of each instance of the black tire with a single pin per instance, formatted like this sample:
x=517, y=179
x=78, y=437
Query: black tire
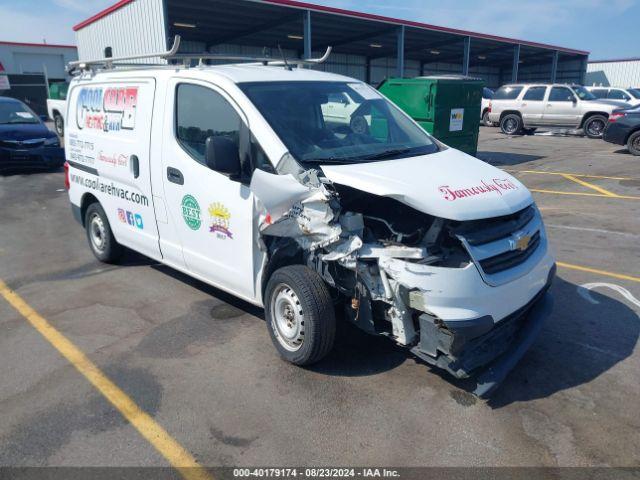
x=594, y=126
x=485, y=119
x=300, y=315
x=58, y=124
x=633, y=143
x=106, y=249
x=511, y=124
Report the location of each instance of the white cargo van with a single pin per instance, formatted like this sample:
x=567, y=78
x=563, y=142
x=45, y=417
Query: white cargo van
x=237, y=176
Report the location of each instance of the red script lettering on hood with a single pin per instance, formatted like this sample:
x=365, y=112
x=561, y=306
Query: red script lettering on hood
x=496, y=185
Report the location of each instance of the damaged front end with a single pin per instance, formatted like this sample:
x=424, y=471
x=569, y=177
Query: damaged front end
x=455, y=293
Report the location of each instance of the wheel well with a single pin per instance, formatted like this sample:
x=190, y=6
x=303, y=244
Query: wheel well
x=631, y=133
x=509, y=112
x=87, y=199
x=282, y=252
x=484, y=111
x=588, y=115
x=56, y=113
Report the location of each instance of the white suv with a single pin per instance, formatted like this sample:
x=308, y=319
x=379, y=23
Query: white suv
x=523, y=108
x=241, y=177
x=629, y=95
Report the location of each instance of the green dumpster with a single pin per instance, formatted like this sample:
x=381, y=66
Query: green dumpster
x=58, y=91
x=448, y=107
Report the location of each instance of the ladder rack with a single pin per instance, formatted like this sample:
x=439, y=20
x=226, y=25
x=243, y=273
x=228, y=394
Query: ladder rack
x=186, y=59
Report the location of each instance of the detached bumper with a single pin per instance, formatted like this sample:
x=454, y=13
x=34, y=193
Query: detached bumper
x=481, y=348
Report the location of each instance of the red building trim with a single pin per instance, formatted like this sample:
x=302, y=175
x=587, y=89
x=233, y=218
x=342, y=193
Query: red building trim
x=365, y=16
x=101, y=14
x=25, y=44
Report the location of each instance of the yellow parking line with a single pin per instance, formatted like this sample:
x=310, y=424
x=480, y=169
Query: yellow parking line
x=157, y=436
x=589, y=185
x=619, y=276
x=541, y=172
x=582, y=194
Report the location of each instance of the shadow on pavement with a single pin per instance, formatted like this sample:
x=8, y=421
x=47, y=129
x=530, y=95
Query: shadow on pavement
x=504, y=158
x=579, y=342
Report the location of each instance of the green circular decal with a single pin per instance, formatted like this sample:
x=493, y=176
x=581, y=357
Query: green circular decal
x=191, y=212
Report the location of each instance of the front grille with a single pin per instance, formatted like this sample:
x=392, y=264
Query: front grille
x=22, y=144
x=510, y=259
x=495, y=244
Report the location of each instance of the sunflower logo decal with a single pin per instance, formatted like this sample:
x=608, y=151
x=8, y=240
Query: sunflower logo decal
x=220, y=221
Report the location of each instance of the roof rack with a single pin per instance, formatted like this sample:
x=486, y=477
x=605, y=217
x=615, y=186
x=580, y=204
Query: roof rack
x=187, y=58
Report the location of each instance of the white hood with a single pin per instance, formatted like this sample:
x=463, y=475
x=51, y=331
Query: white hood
x=448, y=184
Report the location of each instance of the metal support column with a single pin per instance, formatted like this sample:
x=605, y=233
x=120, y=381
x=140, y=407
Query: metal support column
x=554, y=67
x=467, y=56
x=516, y=63
x=368, y=70
x=400, y=52
x=306, y=19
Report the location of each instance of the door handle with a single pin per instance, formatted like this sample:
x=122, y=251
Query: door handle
x=135, y=165
x=175, y=176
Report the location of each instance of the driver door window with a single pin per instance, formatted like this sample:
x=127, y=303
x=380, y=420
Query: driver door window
x=202, y=113
x=561, y=94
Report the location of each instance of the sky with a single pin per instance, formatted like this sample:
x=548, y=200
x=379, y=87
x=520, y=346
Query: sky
x=606, y=28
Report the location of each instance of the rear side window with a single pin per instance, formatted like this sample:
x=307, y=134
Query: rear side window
x=202, y=113
x=507, y=93
x=618, y=95
x=561, y=94
x=487, y=93
x=535, y=94
x=600, y=92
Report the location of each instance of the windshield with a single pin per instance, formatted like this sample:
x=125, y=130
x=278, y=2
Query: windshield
x=635, y=92
x=584, y=94
x=13, y=112
x=337, y=122
x=16, y=112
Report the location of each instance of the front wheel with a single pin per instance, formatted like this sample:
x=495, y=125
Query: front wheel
x=595, y=125
x=511, y=124
x=101, y=240
x=58, y=123
x=633, y=144
x=300, y=315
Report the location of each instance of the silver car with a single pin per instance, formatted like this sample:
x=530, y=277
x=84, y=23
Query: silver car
x=522, y=108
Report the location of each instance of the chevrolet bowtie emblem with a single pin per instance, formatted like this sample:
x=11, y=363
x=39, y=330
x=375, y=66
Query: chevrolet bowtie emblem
x=521, y=242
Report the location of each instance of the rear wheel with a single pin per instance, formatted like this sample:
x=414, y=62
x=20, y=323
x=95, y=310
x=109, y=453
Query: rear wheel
x=485, y=119
x=101, y=240
x=594, y=126
x=633, y=144
x=511, y=124
x=58, y=123
x=300, y=315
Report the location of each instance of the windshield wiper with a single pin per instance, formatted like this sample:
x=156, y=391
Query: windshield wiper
x=386, y=154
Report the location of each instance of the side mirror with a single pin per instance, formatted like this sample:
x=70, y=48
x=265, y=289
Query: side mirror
x=574, y=99
x=222, y=155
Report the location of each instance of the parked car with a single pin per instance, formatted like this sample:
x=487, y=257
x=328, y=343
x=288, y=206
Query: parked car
x=25, y=141
x=628, y=95
x=624, y=129
x=487, y=95
x=233, y=175
x=522, y=108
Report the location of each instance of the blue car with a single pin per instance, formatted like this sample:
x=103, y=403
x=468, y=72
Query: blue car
x=25, y=141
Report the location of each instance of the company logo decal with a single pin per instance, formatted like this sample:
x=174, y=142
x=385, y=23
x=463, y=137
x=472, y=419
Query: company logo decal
x=495, y=186
x=220, y=221
x=110, y=109
x=520, y=241
x=133, y=219
x=191, y=212
x=114, y=160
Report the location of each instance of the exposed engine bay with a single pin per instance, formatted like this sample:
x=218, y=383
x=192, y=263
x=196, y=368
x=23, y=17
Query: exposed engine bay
x=379, y=255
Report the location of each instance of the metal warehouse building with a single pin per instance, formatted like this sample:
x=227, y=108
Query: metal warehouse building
x=367, y=47
x=614, y=73
x=31, y=67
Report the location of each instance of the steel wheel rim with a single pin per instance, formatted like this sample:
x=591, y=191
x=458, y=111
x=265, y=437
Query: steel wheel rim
x=596, y=127
x=58, y=123
x=510, y=125
x=287, y=318
x=485, y=119
x=636, y=143
x=97, y=232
